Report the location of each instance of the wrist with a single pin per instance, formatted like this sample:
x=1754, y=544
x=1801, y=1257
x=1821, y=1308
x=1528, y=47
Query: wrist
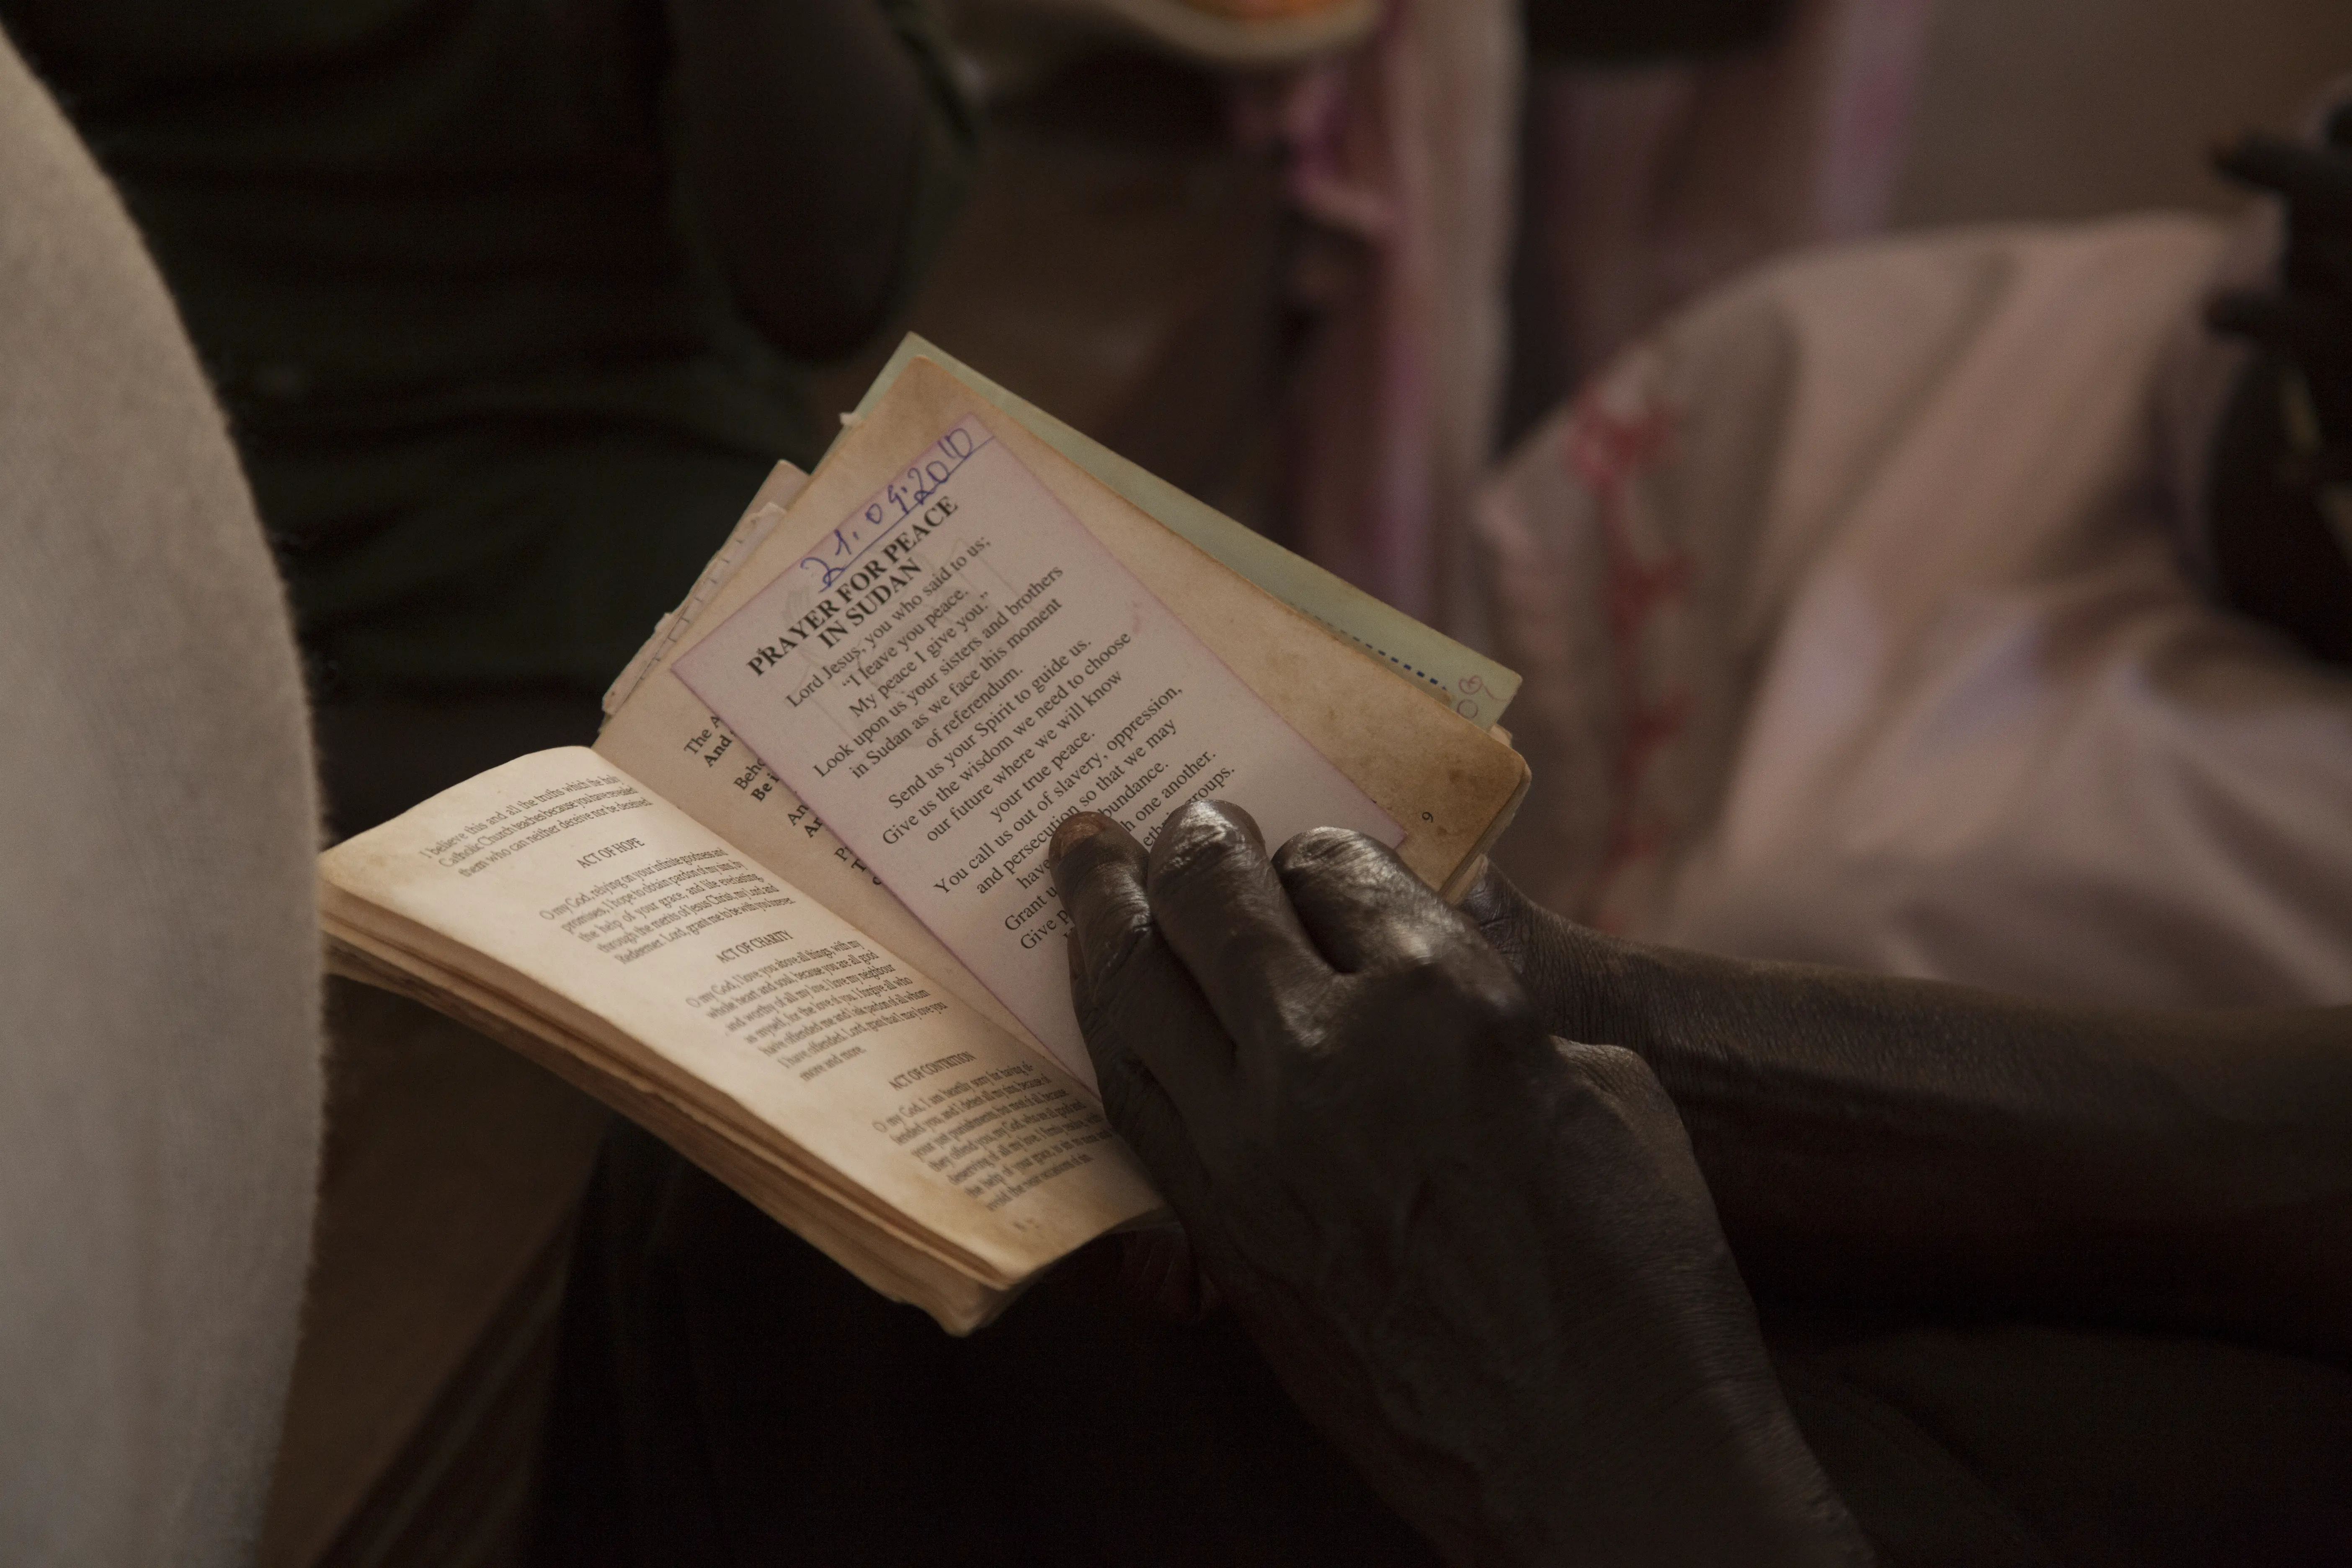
x=1586, y=985
x=1667, y=1007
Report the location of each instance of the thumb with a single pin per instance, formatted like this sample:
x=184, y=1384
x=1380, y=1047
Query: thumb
x=1577, y=977
x=1513, y=926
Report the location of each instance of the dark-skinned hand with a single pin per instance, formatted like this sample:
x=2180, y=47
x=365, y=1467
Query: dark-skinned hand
x=1882, y=1141
x=1480, y=1260
x=2280, y=496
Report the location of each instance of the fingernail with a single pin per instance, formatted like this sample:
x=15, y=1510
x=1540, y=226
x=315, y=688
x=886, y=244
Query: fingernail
x=1080, y=827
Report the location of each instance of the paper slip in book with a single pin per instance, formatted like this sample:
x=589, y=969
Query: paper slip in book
x=792, y=912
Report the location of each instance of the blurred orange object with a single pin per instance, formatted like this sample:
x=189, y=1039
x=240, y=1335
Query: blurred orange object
x=1270, y=10
x=1244, y=34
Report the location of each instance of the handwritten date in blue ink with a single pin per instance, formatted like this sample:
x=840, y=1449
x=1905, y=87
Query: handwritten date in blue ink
x=899, y=500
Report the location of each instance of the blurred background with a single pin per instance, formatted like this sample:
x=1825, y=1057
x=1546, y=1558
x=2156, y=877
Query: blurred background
x=1317, y=261
x=2033, y=109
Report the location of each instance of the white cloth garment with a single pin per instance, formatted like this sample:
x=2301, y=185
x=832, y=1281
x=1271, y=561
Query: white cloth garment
x=1856, y=630
x=159, y=949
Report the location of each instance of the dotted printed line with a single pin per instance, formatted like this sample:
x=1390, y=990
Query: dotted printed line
x=1385, y=654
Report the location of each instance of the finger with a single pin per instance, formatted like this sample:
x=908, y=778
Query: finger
x=1576, y=978
x=1220, y=908
x=1098, y=870
x=1146, y=1118
x=2311, y=176
x=1512, y=924
x=1361, y=905
x=1158, y=1273
x=1134, y=1000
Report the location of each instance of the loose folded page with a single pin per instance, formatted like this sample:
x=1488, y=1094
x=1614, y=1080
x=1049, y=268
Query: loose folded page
x=1449, y=782
x=958, y=666
x=1464, y=679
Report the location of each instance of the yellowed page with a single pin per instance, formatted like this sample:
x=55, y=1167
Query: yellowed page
x=664, y=736
x=564, y=869
x=1452, y=785
x=365, y=939
x=1431, y=662
x=880, y=1255
x=975, y=666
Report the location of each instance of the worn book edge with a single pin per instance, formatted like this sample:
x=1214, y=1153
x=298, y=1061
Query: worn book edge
x=1475, y=687
x=958, y=1297
x=895, y=1265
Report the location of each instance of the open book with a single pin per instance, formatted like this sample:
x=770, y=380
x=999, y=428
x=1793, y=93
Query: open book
x=792, y=913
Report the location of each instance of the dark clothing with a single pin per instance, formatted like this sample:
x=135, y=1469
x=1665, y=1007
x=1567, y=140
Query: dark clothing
x=496, y=401
x=1985, y=1444
x=729, y=1395
x=1576, y=32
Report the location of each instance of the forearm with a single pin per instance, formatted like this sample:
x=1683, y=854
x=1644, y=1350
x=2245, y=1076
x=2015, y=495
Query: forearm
x=800, y=126
x=1885, y=1140
x=1868, y=1136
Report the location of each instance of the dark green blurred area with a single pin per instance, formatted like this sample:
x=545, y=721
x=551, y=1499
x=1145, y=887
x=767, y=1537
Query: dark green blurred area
x=1570, y=31
x=496, y=401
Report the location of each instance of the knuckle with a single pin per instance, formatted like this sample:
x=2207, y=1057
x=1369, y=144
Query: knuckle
x=1497, y=1008
x=1331, y=857
x=1482, y=999
x=1199, y=843
x=1106, y=892
x=1319, y=848
x=1499, y=912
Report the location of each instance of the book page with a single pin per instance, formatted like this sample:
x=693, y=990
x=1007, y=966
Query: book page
x=1464, y=679
x=959, y=665
x=664, y=736
x=647, y=930
x=883, y=1249
x=1451, y=783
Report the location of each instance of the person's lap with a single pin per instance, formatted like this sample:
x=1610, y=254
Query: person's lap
x=726, y=1394
x=1996, y=1442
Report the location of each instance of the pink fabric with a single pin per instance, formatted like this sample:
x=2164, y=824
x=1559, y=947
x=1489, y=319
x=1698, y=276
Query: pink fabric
x=1855, y=631
x=1651, y=182
x=1404, y=154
